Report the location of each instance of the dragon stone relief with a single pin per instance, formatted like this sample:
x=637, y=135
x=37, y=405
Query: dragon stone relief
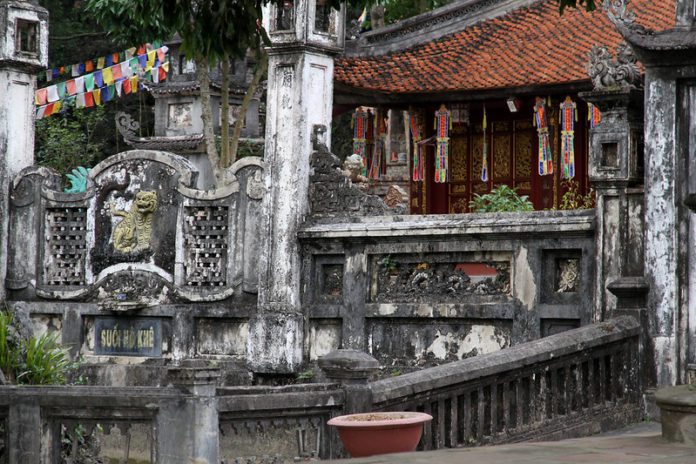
x=134, y=232
x=441, y=282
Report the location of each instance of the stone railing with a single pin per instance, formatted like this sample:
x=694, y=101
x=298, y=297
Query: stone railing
x=576, y=383
x=466, y=284
x=267, y=425
x=570, y=384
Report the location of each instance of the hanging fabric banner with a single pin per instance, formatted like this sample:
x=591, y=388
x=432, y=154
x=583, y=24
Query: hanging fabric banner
x=545, y=153
x=569, y=114
x=484, y=152
x=443, y=124
x=593, y=115
x=415, y=123
x=360, y=123
x=378, y=166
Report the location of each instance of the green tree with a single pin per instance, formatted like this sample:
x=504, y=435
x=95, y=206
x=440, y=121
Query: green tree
x=211, y=31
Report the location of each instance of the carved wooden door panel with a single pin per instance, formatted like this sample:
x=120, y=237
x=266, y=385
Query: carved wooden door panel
x=523, y=152
x=459, y=194
x=501, y=153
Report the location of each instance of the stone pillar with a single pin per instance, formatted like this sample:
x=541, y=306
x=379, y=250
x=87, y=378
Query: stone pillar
x=24, y=433
x=669, y=59
x=188, y=427
x=23, y=51
x=353, y=370
x=305, y=38
x=616, y=174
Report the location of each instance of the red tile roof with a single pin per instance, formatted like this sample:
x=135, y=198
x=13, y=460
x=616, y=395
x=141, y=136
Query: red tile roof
x=531, y=46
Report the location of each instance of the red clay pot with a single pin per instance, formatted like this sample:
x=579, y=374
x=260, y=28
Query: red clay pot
x=374, y=433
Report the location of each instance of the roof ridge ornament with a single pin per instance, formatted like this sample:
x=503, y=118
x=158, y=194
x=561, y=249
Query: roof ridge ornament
x=619, y=14
x=608, y=72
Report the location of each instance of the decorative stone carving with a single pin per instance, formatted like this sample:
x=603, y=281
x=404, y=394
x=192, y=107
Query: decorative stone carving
x=609, y=73
x=133, y=233
x=412, y=282
x=128, y=290
x=66, y=246
x=255, y=186
x=332, y=194
x=568, y=271
x=396, y=197
x=78, y=180
x=126, y=125
x=353, y=167
x=619, y=14
x=206, y=243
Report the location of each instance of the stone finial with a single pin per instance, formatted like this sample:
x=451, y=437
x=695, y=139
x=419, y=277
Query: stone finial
x=194, y=376
x=348, y=366
x=619, y=14
x=126, y=126
x=608, y=72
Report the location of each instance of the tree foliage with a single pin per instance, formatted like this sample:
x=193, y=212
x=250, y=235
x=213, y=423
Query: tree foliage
x=590, y=5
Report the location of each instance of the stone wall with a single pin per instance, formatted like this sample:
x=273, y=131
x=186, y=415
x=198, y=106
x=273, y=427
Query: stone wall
x=141, y=264
x=417, y=291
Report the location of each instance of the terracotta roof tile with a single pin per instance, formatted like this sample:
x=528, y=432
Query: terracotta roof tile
x=529, y=46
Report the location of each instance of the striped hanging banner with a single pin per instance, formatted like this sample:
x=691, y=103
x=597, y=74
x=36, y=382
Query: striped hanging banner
x=569, y=114
x=443, y=124
x=360, y=123
x=378, y=166
x=593, y=115
x=545, y=152
x=415, y=123
x=484, y=160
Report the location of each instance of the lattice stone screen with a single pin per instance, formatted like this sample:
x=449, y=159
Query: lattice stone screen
x=66, y=246
x=206, y=245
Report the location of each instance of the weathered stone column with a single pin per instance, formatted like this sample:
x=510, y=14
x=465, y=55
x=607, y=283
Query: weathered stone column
x=670, y=190
x=352, y=369
x=188, y=428
x=300, y=95
x=616, y=174
x=23, y=52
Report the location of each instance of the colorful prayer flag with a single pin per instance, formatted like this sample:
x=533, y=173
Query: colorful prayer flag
x=107, y=76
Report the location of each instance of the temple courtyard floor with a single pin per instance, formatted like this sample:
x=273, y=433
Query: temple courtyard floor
x=640, y=443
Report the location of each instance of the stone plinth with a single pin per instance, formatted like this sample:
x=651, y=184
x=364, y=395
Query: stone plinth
x=678, y=408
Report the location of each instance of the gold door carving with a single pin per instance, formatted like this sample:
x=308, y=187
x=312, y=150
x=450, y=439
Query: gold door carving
x=501, y=156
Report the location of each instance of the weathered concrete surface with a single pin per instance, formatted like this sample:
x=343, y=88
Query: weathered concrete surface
x=640, y=444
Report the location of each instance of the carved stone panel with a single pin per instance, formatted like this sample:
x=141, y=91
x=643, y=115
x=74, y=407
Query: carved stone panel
x=436, y=278
x=136, y=211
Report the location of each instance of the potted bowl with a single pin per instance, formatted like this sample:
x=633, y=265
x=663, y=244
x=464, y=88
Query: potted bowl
x=371, y=433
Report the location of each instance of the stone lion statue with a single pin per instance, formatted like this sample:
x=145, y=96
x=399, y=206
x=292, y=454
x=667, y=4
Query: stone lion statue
x=134, y=232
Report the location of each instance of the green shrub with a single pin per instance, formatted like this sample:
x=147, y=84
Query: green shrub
x=46, y=362
x=573, y=199
x=35, y=360
x=501, y=199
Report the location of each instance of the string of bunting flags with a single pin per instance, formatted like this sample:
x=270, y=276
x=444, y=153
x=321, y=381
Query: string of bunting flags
x=88, y=66
x=105, y=83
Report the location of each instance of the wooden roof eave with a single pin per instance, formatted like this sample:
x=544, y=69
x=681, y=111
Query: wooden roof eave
x=347, y=95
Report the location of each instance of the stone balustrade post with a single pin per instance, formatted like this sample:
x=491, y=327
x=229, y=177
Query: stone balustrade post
x=24, y=434
x=188, y=427
x=353, y=370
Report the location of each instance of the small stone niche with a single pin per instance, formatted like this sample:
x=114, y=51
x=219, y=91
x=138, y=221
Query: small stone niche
x=610, y=154
x=322, y=16
x=27, y=36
